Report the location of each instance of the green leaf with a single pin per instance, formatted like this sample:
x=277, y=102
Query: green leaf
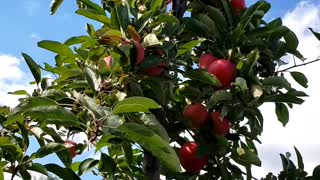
x=63, y=173
x=49, y=148
x=33, y=66
x=282, y=113
x=90, y=4
x=291, y=39
x=107, y=164
x=104, y=141
x=134, y=104
x=283, y=98
x=218, y=97
x=38, y=168
x=24, y=134
x=123, y=16
x=87, y=165
x=19, y=92
x=56, y=47
x=202, y=76
x=227, y=11
x=55, y=5
x=187, y=47
x=151, y=121
x=249, y=157
x=94, y=15
x=11, y=147
x=316, y=34
x=77, y=40
x=217, y=16
x=277, y=81
x=300, y=78
x=299, y=159
x=250, y=62
x=113, y=121
x=127, y=151
x=92, y=78
x=153, y=143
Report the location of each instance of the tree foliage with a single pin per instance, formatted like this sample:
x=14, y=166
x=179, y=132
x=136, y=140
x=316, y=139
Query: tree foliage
x=126, y=84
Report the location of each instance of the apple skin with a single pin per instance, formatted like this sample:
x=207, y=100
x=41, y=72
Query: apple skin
x=220, y=127
x=238, y=6
x=72, y=149
x=197, y=113
x=205, y=60
x=154, y=71
x=224, y=70
x=139, y=52
x=189, y=161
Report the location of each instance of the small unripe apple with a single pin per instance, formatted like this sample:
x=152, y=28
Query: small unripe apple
x=197, y=113
x=188, y=159
x=205, y=60
x=221, y=127
x=72, y=148
x=224, y=71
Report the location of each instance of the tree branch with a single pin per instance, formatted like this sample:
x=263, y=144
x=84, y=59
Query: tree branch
x=298, y=65
x=151, y=166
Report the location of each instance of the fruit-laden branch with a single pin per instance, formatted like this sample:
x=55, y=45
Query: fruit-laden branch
x=298, y=65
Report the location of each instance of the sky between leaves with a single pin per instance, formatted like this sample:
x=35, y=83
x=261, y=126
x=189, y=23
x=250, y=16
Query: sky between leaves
x=25, y=22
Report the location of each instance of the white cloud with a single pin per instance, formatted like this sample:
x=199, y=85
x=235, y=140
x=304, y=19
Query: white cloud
x=35, y=36
x=12, y=78
x=302, y=130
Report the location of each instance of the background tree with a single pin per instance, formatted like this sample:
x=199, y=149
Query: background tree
x=133, y=85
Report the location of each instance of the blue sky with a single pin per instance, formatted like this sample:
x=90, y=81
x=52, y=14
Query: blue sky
x=25, y=22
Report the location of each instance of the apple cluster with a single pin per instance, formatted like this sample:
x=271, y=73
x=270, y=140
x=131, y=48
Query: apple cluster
x=139, y=58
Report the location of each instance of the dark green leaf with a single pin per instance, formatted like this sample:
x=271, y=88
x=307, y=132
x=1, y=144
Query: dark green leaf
x=291, y=39
x=55, y=5
x=219, y=96
x=24, y=134
x=277, y=81
x=107, y=164
x=104, y=141
x=187, y=47
x=92, y=78
x=282, y=113
x=299, y=159
x=151, y=121
x=285, y=98
x=87, y=165
x=134, y=104
x=91, y=5
x=127, y=151
x=250, y=62
x=316, y=34
x=49, y=148
x=94, y=15
x=38, y=168
x=77, y=40
x=217, y=16
x=123, y=16
x=153, y=143
x=63, y=173
x=202, y=76
x=56, y=47
x=33, y=66
x=19, y=92
x=300, y=78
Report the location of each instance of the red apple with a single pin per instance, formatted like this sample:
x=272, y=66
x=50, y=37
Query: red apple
x=72, y=148
x=205, y=60
x=197, y=113
x=154, y=71
x=221, y=127
x=238, y=6
x=139, y=52
x=224, y=71
x=189, y=161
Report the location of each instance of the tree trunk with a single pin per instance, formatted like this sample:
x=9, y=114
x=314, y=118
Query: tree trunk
x=151, y=166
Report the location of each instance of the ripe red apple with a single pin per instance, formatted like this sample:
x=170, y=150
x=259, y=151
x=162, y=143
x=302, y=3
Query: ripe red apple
x=238, y=6
x=189, y=161
x=197, y=113
x=221, y=127
x=72, y=148
x=224, y=71
x=139, y=52
x=205, y=60
x=154, y=71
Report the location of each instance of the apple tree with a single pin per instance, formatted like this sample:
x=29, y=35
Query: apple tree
x=164, y=91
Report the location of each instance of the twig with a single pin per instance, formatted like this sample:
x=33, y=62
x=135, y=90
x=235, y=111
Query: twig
x=295, y=66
